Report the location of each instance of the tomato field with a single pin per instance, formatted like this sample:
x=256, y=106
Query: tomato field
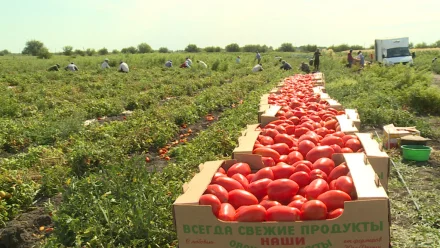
x=112, y=182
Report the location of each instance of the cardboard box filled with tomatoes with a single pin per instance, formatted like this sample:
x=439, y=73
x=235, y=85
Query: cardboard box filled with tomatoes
x=243, y=203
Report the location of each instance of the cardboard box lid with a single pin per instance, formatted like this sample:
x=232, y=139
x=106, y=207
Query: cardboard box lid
x=399, y=130
x=371, y=146
x=272, y=111
x=352, y=114
x=346, y=124
x=364, y=178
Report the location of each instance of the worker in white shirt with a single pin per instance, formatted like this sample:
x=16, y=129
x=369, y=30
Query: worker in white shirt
x=202, y=63
x=188, y=62
x=71, y=67
x=257, y=68
x=123, y=67
x=169, y=63
x=105, y=64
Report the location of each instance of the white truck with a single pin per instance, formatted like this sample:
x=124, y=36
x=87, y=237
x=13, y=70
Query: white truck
x=393, y=51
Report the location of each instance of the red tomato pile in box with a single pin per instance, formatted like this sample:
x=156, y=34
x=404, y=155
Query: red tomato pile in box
x=296, y=181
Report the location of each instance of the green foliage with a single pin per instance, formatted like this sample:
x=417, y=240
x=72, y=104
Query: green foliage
x=79, y=52
x=308, y=48
x=163, y=50
x=212, y=49
x=44, y=53
x=233, y=47
x=67, y=50
x=192, y=48
x=33, y=47
x=90, y=51
x=286, y=47
x=422, y=45
x=115, y=51
x=144, y=48
x=4, y=52
x=344, y=47
x=255, y=48
x=103, y=51
x=131, y=50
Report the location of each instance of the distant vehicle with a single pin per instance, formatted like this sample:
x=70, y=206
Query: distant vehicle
x=393, y=51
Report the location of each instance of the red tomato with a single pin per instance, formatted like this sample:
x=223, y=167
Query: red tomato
x=241, y=168
x=335, y=213
x=211, y=200
x=269, y=132
x=302, y=167
x=259, y=187
x=302, y=178
x=334, y=199
x=242, y=180
x=265, y=140
x=283, y=158
x=299, y=131
x=282, y=190
x=228, y=183
x=294, y=157
x=280, y=129
x=217, y=175
x=282, y=171
x=305, y=162
x=227, y=212
x=302, y=191
x=267, y=152
x=324, y=164
x=322, y=131
x=284, y=138
x=254, y=213
x=336, y=148
x=298, y=197
x=313, y=210
x=339, y=134
x=281, y=148
x=290, y=130
x=319, y=152
x=340, y=170
x=250, y=177
x=315, y=188
x=345, y=183
x=283, y=213
x=317, y=173
x=268, y=161
x=310, y=136
x=263, y=173
x=353, y=144
x=239, y=197
x=330, y=124
x=347, y=137
x=331, y=185
x=221, y=170
x=305, y=146
x=219, y=191
x=268, y=204
x=346, y=150
x=332, y=140
x=297, y=203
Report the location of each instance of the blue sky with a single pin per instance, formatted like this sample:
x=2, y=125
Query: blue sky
x=116, y=24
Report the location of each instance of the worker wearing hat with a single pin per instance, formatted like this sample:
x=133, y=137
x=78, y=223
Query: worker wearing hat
x=286, y=66
x=54, y=68
x=169, y=63
x=105, y=64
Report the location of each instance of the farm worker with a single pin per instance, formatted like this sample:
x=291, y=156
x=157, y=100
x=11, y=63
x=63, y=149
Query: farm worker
x=316, y=58
x=71, y=67
x=361, y=59
x=258, y=57
x=169, y=63
x=184, y=65
x=237, y=60
x=371, y=57
x=434, y=59
x=188, y=62
x=105, y=64
x=304, y=67
x=286, y=66
x=350, y=58
x=54, y=68
x=123, y=67
x=257, y=68
x=202, y=63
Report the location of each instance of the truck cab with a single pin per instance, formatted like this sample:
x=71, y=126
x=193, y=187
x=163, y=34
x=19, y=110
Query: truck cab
x=393, y=51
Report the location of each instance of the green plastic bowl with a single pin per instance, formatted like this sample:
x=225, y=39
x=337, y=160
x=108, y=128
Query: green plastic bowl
x=416, y=152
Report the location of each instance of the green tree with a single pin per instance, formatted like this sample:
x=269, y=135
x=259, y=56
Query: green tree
x=79, y=52
x=308, y=48
x=436, y=44
x=192, y=48
x=115, y=51
x=212, y=49
x=4, y=52
x=422, y=45
x=103, y=51
x=286, y=47
x=144, y=48
x=163, y=50
x=33, y=47
x=90, y=51
x=232, y=48
x=411, y=45
x=44, y=53
x=255, y=48
x=67, y=50
x=131, y=50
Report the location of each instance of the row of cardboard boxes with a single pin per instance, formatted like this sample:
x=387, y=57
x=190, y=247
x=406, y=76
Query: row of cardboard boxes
x=364, y=223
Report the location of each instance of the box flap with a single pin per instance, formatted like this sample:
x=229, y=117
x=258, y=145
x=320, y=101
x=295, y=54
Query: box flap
x=346, y=124
x=364, y=177
x=371, y=146
x=352, y=114
x=272, y=111
x=199, y=183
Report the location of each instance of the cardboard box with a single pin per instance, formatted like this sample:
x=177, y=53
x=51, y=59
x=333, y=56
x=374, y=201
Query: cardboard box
x=379, y=160
x=269, y=115
x=364, y=223
x=262, y=109
x=333, y=103
x=353, y=115
x=264, y=99
x=347, y=125
x=392, y=135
